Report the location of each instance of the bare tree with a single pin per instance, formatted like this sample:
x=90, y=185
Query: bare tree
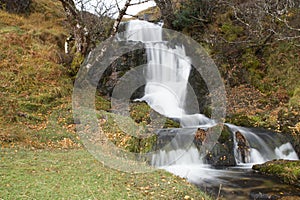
x=268, y=19
x=79, y=30
x=92, y=21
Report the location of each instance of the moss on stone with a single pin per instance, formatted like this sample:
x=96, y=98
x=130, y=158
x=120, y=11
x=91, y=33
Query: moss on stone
x=287, y=171
x=76, y=63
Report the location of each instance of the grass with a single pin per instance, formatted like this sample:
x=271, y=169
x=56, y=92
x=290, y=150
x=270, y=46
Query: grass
x=75, y=174
x=34, y=83
x=287, y=171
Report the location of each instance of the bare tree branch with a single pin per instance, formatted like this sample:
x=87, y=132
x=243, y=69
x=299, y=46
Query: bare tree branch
x=80, y=33
x=122, y=12
x=138, y=3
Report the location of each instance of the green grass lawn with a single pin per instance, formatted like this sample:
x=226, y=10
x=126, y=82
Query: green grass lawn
x=75, y=174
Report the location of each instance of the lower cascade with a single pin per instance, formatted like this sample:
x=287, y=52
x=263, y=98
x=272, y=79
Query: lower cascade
x=165, y=91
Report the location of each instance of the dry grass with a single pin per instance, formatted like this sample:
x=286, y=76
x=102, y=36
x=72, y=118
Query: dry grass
x=33, y=81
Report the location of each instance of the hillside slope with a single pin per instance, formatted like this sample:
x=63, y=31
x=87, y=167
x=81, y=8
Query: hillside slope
x=35, y=89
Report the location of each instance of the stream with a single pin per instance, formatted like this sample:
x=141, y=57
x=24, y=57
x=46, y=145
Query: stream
x=167, y=75
x=239, y=182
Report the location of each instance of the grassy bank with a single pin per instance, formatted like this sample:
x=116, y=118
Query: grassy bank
x=75, y=174
x=287, y=171
x=35, y=88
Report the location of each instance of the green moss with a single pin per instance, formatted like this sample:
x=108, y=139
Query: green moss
x=76, y=63
x=225, y=136
x=241, y=119
x=101, y=103
x=127, y=134
x=140, y=112
x=283, y=66
x=231, y=32
x=287, y=171
x=171, y=124
x=295, y=99
x=9, y=29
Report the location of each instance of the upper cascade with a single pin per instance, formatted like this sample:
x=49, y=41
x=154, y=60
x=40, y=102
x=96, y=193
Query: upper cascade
x=167, y=73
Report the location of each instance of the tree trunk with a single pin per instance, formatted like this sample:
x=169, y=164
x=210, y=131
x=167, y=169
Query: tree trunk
x=79, y=32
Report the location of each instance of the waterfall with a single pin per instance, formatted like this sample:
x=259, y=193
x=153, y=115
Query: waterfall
x=167, y=72
x=261, y=146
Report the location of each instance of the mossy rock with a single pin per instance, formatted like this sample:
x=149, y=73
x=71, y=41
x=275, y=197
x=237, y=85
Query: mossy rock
x=76, y=63
x=287, y=171
x=127, y=134
x=222, y=153
x=142, y=113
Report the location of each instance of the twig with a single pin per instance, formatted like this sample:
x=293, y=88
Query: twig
x=218, y=197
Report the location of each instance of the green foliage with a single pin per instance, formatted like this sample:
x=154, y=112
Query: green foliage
x=193, y=13
x=101, y=103
x=241, y=119
x=126, y=133
x=251, y=62
x=171, y=124
x=183, y=18
x=140, y=112
x=283, y=65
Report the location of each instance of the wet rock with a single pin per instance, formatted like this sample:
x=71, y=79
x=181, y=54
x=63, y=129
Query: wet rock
x=222, y=153
x=197, y=94
x=261, y=196
x=243, y=148
x=118, y=69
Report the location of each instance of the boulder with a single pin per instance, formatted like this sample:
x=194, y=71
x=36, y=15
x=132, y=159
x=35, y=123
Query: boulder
x=222, y=154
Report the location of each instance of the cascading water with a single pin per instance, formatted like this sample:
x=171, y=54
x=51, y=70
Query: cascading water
x=167, y=76
x=262, y=146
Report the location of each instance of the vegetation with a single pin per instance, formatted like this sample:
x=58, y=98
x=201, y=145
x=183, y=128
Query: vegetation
x=40, y=152
x=35, y=87
x=75, y=174
x=259, y=64
x=287, y=171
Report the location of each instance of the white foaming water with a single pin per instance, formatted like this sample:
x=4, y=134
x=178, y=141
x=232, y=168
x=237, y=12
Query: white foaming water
x=167, y=74
x=260, y=150
x=286, y=151
x=176, y=157
x=255, y=157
